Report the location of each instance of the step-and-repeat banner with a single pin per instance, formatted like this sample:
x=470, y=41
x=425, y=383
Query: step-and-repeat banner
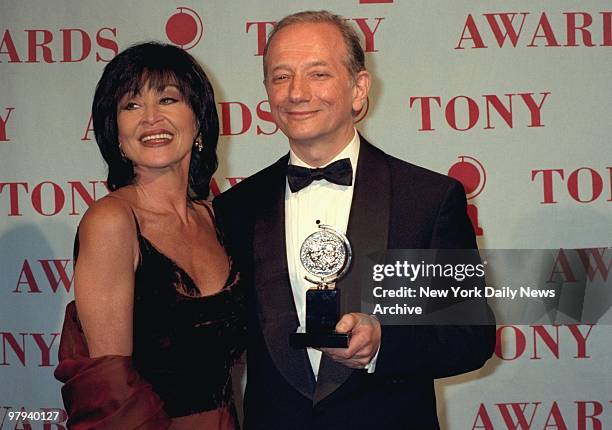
x=512, y=98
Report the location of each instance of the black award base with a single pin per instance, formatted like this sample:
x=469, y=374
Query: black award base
x=319, y=340
x=322, y=315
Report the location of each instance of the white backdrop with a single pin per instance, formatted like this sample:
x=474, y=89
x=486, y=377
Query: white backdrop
x=513, y=98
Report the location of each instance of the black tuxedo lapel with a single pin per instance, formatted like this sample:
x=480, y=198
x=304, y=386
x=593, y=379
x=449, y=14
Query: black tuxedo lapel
x=276, y=309
x=368, y=230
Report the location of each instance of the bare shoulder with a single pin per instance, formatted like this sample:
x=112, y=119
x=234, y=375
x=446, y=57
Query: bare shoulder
x=110, y=216
x=205, y=208
x=203, y=203
x=107, y=232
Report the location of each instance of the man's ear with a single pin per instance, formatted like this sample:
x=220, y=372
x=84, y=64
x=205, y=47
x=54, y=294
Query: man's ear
x=361, y=88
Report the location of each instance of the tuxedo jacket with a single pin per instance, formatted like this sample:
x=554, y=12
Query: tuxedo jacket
x=396, y=205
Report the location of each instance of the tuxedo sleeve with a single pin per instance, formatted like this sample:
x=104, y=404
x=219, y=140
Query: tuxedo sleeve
x=440, y=351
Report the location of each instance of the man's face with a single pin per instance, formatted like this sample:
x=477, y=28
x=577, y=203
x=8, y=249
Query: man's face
x=312, y=95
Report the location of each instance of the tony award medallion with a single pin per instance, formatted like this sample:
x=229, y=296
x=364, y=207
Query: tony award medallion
x=326, y=256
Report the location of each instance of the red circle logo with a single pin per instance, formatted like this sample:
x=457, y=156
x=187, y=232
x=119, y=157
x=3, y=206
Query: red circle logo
x=471, y=173
x=185, y=28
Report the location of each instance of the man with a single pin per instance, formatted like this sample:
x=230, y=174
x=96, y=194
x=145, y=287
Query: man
x=316, y=81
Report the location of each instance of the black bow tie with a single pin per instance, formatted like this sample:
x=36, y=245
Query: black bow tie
x=339, y=172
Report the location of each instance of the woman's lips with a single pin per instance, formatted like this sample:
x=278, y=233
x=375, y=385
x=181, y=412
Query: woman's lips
x=156, y=138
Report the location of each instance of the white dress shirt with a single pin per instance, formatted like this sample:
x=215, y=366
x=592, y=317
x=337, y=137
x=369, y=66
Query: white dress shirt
x=320, y=201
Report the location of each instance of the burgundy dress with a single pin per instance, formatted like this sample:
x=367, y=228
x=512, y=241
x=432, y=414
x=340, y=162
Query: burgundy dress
x=184, y=346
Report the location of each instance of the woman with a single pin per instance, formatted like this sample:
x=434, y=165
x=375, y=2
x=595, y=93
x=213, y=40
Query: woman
x=160, y=313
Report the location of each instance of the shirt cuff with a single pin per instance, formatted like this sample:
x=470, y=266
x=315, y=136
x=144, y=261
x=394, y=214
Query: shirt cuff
x=371, y=366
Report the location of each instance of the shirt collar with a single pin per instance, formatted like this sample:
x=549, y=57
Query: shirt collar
x=350, y=151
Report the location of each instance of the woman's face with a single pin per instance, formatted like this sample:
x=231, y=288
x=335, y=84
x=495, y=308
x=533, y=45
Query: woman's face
x=156, y=128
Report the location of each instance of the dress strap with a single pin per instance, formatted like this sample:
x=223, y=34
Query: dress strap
x=136, y=221
x=210, y=211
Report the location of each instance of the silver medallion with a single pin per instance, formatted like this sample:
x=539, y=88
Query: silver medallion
x=326, y=254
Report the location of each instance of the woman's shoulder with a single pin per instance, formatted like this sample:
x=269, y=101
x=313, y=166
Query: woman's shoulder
x=111, y=215
x=205, y=207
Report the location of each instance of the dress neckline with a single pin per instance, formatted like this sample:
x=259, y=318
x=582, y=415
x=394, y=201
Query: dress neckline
x=231, y=276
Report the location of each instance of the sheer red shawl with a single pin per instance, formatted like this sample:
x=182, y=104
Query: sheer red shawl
x=103, y=392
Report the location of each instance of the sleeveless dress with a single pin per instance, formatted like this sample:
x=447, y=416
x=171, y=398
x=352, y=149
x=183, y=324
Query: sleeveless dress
x=184, y=346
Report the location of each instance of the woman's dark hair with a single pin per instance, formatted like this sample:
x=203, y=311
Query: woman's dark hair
x=156, y=65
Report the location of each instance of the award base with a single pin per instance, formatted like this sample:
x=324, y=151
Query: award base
x=322, y=314
x=319, y=340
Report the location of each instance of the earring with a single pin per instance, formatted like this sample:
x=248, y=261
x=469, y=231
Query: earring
x=198, y=144
x=123, y=156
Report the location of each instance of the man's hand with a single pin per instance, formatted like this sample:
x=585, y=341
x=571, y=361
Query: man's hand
x=364, y=342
